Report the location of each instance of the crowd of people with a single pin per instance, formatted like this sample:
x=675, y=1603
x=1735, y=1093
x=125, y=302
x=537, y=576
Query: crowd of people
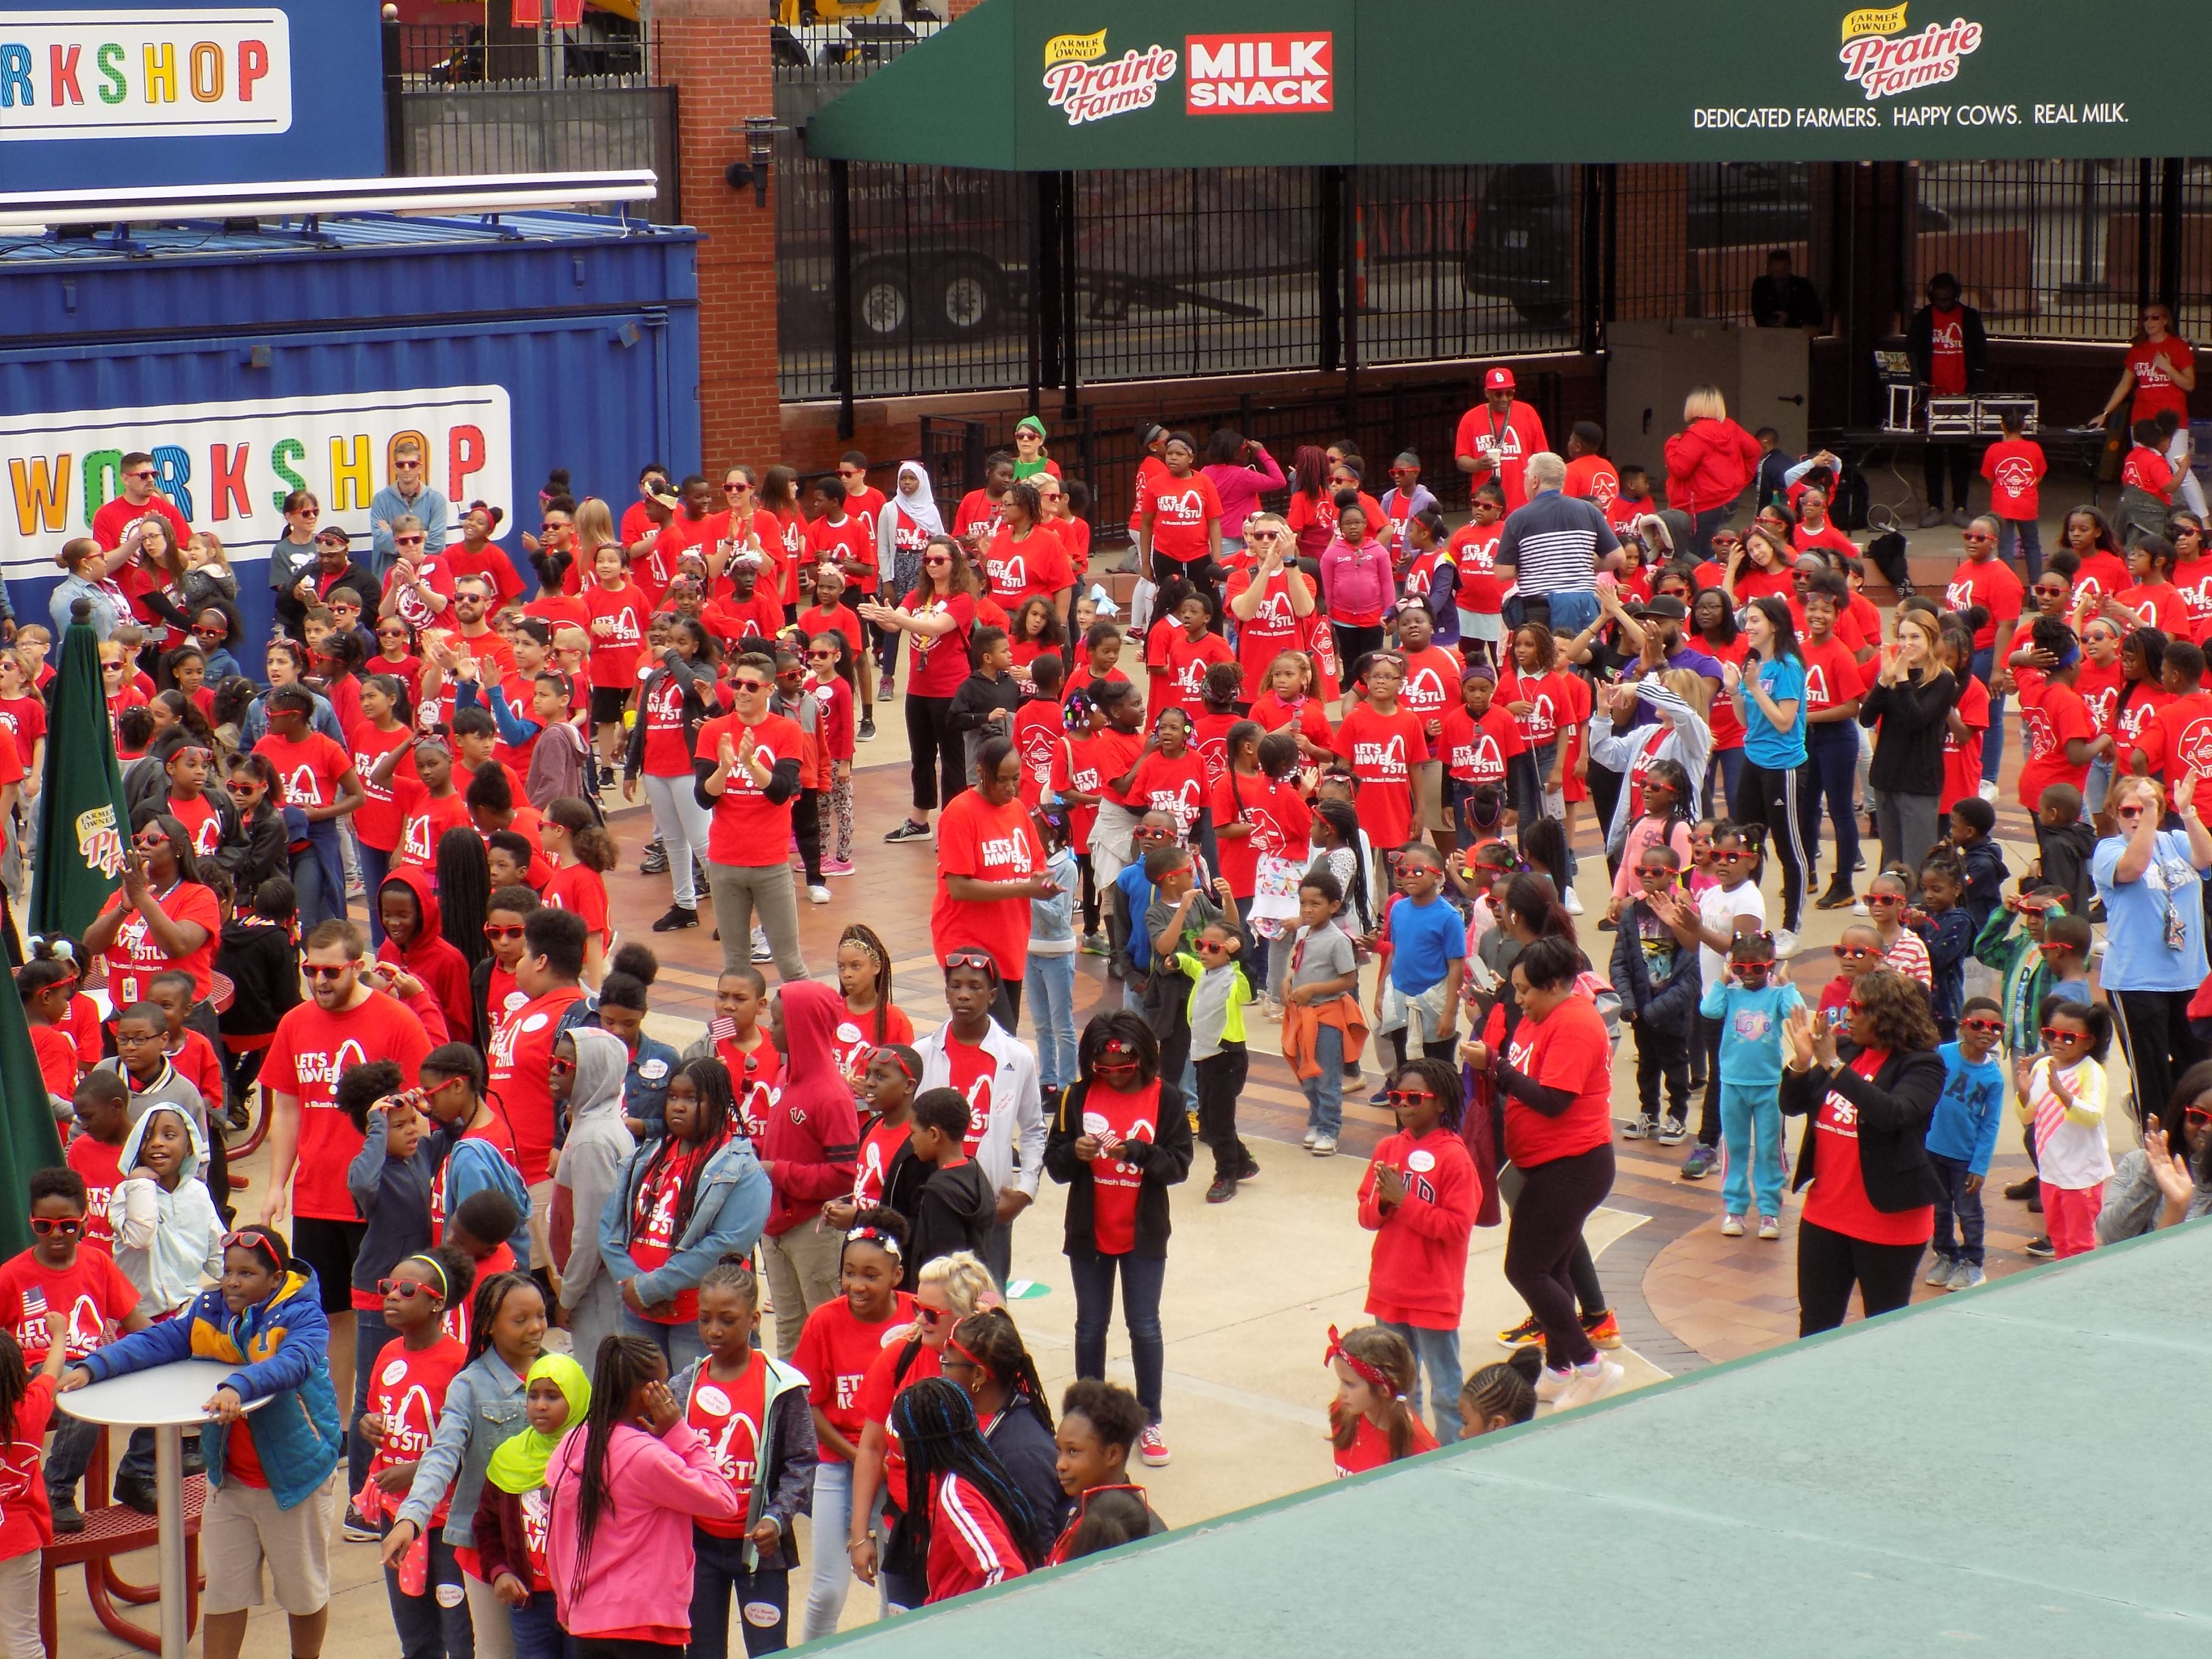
x=508, y=1270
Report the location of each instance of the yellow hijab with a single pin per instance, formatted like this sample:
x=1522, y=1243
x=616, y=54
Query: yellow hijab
x=518, y=1463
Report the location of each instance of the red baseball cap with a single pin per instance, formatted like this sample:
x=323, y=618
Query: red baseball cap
x=1499, y=380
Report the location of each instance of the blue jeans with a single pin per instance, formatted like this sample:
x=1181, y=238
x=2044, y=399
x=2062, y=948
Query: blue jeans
x=1572, y=611
x=1725, y=765
x=1051, y=988
x=1993, y=739
x=434, y=1625
x=1956, y=1201
x=832, y=1513
x=375, y=866
x=1325, y=1093
x=1751, y=1114
x=1255, y=958
x=538, y=1632
x=719, y=1577
x=1831, y=761
x=1436, y=1353
x=2029, y=534
x=1142, y=1277
x=679, y=1344
x=330, y=864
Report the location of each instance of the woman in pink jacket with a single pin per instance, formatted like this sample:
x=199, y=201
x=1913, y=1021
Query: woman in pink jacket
x=624, y=1490
x=1709, y=462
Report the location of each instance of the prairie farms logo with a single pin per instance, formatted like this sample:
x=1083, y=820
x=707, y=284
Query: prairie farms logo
x=1883, y=60
x=1080, y=79
x=99, y=842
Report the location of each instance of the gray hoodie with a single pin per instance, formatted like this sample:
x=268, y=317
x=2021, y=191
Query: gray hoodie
x=165, y=1243
x=598, y=1142
x=2132, y=1200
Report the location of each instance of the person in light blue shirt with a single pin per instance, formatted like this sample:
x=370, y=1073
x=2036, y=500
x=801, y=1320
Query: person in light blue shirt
x=1769, y=691
x=1962, y=1137
x=1750, y=1006
x=2152, y=882
x=409, y=492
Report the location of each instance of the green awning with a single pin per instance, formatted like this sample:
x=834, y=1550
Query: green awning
x=1044, y=85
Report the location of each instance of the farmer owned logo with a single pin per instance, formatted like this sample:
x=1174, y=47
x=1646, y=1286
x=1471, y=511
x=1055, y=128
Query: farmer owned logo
x=1079, y=78
x=124, y=74
x=99, y=842
x=1882, y=60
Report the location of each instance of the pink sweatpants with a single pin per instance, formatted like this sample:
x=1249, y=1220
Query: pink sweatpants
x=2071, y=1213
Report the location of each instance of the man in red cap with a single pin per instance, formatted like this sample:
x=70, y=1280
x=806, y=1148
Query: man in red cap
x=1497, y=439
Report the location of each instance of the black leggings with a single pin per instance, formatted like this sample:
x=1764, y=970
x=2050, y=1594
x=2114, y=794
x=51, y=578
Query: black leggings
x=1771, y=797
x=1089, y=894
x=1007, y=1006
x=939, y=753
x=1556, y=1199
x=806, y=829
x=1352, y=643
x=1830, y=1263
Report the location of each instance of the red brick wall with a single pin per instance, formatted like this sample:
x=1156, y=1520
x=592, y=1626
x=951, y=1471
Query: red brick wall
x=716, y=51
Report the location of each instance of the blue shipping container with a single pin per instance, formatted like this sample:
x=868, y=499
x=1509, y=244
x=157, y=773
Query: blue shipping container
x=250, y=363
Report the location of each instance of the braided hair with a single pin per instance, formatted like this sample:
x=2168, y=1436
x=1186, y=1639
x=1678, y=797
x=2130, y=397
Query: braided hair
x=1506, y=1390
x=718, y=1121
x=1441, y=1077
x=625, y=1365
x=988, y=1337
x=865, y=938
x=935, y=1422
x=483, y=1312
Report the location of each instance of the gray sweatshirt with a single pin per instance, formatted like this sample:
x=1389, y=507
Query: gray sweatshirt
x=2132, y=1200
x=599, y=1141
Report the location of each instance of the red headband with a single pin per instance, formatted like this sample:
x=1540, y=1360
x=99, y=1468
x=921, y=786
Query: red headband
x=1370, y=1374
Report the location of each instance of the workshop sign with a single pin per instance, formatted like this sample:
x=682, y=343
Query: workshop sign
x=1070, y=84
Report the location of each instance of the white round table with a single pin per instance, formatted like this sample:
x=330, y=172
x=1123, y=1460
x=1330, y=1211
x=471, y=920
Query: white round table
x=167, y=1398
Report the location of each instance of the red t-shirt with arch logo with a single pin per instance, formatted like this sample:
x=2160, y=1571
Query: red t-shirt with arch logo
x=407, y=1390
x=1476, y=751
x=309, y=770
x=1432, y=686
x=1036, y=565
x=521, y=1057
x=310, y=1051
x=1272, y=629
x=728, y=1416
x=136, y=957
x=748, y=828
x=1177, y=786
x=1383, y=750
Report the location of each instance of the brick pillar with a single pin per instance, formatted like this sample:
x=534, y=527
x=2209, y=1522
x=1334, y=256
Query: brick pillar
x=716, y=52
x=958, y=8
x=1651, y=241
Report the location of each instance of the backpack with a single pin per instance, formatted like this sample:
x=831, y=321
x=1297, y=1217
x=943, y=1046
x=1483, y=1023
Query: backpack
x=560, y=764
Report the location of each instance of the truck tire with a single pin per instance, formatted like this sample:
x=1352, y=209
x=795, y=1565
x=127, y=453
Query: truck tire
x=964, y=298
x=883, y=303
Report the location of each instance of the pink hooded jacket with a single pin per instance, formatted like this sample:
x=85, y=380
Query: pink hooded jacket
x=655, y=1486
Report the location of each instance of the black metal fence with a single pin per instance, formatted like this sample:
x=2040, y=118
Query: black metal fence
x=463, y=98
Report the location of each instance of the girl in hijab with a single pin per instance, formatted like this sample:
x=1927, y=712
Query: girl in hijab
x=514, y=1514
x=903, y=528
x=599, y=1142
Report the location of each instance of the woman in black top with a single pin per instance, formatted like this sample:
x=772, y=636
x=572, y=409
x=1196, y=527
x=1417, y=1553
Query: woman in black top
x=985, y=1356
x=1866, y=1096
x=1906, y=705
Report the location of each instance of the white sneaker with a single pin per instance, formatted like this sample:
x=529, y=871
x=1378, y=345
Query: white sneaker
x=1988, y=790
x=762, y=950
x=1309, y=1137
x=1732, y=1227
x=1770, y=1227
x=1325, y=1146
x=1785, y=944
x=1552, y=1384
x=1573, y=903
x=1587, y=1386
x=1967, y=1277
x=818, y=894
x=1859, y=908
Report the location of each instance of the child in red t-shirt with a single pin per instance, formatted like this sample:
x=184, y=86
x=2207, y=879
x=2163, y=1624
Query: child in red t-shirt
x=832, y=654
x=2146, y=484
x=1370, y=1423
x=581, y=854
x=2014, y=466
x=26, y=1524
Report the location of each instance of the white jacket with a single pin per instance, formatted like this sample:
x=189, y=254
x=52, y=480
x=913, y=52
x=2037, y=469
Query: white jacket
x=167, y=1243
x=1015, y=1107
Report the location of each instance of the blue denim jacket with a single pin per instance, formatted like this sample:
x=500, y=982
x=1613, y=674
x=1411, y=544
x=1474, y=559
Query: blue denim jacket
x=483, y=1406
x=732, y=1209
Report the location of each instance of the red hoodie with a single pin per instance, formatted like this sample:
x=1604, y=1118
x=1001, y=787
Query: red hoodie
x=1708, y=464
x=812, y=1146
x=432, y=957
x=1418, y=1276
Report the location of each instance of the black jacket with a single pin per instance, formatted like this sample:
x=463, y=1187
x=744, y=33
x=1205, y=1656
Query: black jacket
x=1985, y=876
x=253, y=850
x=1908, y=742
x=1164, y=1162
x=956, y=1211
x=1893, y=1108
x=698, y=680
x=2065, y=854
x=1920, y=346
x=972, y=703
x=1026, y=1446
x=1668, y=1007
x=262, y=966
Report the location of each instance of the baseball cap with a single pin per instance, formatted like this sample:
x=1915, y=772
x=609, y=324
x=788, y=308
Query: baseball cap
x=1666, y=605
x=1497, y=379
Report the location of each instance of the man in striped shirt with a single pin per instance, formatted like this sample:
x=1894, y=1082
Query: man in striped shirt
x=1554, y=543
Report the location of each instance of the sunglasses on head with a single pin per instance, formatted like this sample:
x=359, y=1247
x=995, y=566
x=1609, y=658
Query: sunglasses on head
x=975, y=959
x=2053, y=1036
x=44, y=1226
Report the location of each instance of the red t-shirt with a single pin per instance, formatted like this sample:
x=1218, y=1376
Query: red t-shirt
x=971, y=1070
x=97, y=1163
x=941, y=663
x=377, y=819
x=1566, y=1050
x=1991, y=584
x=1592, y=477
x=667, y=754
x=2099, y=691
x=1038, y=564
x=1281, y=823
x=1753, y=583
x=1111, y=1117
x=1177, y=786
x=407, y=1388
x=1475, y=751
x=1308, y=715
x=1474, y=550
x=1040, y=728
x=2015, y=468
x=2180, y=738
x=881, y=1388
x=1546, y=696
x=731, y=1417
x=1209, y=737
x=747, y=827
x=1371, y=1446
x=2168, y=611
x=2192, y=579
x=1269, y=631
x=92, y=1290
x=1384, y=749
x=2145, y=468
x=617, y=625
x=578, y=888
x=24, y=720
x=424, y=818
x=654, y=1233
x=2049, y=715
x=2135, y=723
x=1187, y=661
x=879, y=1149
x=835, y=1351
x=309, y=770
x=990, y=843
x=521, y=1056
x=202, y=827
x=1827, y=535
x=136, y=957
x=1431, y=688
x=1962, y=758
x=1838, y=1198
x=2155, y=389
x=840, y=545
x=1831, y=673
x=1947, y=367
x=310, y=1052
x=1508, y=443
x=26, y=1523
x=1182, y=508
